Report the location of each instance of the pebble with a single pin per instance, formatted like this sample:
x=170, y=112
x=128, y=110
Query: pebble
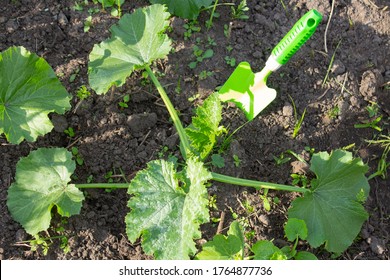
x=338, y=68
x=264, y=219
x=142, y=122
x=11, y=26
x=62, y=19
x=288, y=110
x=59, y=122
x=376, y=245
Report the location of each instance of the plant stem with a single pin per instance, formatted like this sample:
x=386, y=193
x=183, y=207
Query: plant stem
x=103, y=186
x=255, y=184
x=172, y=112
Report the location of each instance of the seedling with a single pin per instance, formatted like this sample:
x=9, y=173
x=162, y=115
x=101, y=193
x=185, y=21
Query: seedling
x=191, y=27
x=266, y=200
x=217, y=161
x=282, y=159
x=299, y=180
x=298, y=121
x=370, y=124
x=236, y=160
x=383, y=165
x=87, y=24
x=334, y=112
x=213, y=15
x=76, y=155
x=239, y=12
x=200, y=55
x=230, y=61
x=205, y=74
x=123, y=104
x=70, y=132
x=169, y=202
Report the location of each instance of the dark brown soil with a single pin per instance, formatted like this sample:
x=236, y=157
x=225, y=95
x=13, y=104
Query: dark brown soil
x=122, y=141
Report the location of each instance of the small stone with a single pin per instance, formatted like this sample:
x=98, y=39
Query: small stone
x=338, y=68
x=288, y=110
x=11, y=26
x=257, y=54
x=376, y=245
x=20, y=235
x=264, y=219
x=59, y=122
x=142, y=122
x=299, y=167
x=62, y=19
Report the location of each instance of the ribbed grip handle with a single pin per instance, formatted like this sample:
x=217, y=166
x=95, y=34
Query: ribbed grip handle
x=297, y=36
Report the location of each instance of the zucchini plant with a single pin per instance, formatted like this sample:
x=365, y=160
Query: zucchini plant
x=168, y=201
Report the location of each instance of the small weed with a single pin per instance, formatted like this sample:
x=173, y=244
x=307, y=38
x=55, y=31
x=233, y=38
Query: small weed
x=70, y=132
x=123, y=104
x=239, y=12
x=213, y=14
x=230, y=61
x=384, y=142
x=298, y=121
x=299, y=180
x=266, y=201
x=191, y=27
x=83, y=93
x=88, y=24
x=200, y=55
x=227, y=30
x=281, y=159
x=205, y=74
x=217, y=161
x=213, y=202
x=236, y=160
x=334, y=112
x=370, y=124
x=372, y=109
x=76, y=155
x=73, y=77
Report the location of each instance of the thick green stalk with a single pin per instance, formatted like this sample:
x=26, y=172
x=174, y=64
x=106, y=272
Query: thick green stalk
x=103, y=186
x=172, y=112
x=255, y=184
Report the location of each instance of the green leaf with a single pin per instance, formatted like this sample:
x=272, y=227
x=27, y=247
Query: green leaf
x=41, y=182
x=29, y=91
x=266, y=250
x=204, y=129
x=331, y=211
x=188, y=9
x=167, y=212
x=303, y=255
x=217, y=160
x=230, y=247
x=136, y=41
x=295, y=228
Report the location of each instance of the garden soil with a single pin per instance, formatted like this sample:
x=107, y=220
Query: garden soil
x=335, y=76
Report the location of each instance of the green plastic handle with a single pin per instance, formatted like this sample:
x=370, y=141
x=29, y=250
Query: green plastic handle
x=297, y=36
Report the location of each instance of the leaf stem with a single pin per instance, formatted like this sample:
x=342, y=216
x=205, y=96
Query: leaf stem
x=103, y=186
x=255, y=184
x=172, y=112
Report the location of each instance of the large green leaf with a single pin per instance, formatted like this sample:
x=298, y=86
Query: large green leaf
x=29, y=91
x=230, y=247
x=167, y=208
x=205, y=128
x=41, y=182
x=137, y=40
x=188, y=9
x=332, y=211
